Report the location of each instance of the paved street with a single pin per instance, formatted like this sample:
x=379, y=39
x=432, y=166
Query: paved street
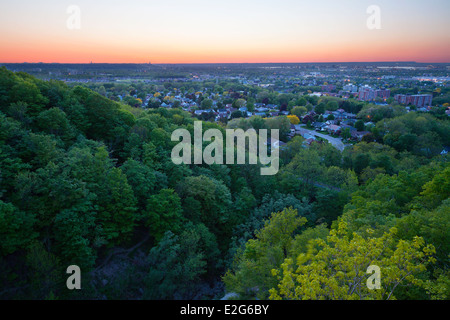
x=336, y=142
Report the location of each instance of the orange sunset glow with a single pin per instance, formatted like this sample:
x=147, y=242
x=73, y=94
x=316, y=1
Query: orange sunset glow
x=223, y=31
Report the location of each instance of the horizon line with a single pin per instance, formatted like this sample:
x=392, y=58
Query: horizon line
x=198, y=63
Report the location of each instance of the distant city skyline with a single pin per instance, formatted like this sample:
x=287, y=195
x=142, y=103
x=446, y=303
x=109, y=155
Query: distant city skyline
x=201, y=31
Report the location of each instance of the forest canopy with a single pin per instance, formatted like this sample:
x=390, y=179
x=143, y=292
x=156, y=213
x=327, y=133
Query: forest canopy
x=88, y=181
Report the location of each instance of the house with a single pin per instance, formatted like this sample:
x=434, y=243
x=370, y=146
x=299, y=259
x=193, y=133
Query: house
x=292, y=132
x=359, y=134
x=308, y=136
x=223, y=112
x=345, y=126
x=333, y=129
x=319, y=125
x=330, y=122
x=199, y=112
x=338, y=115
x=274, y=143
x=305, y=134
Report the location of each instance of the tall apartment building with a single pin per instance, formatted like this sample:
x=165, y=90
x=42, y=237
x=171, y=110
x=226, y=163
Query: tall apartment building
x=350, y=88
x=383, y=93
x=418, y=100
x=368, y=94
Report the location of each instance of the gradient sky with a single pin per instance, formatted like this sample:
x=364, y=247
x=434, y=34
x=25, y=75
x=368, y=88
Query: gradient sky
x=214, y=31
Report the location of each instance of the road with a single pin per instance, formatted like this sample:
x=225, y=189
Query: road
x=335, y=142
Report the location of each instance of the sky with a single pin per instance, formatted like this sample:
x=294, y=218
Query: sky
x=223, y=31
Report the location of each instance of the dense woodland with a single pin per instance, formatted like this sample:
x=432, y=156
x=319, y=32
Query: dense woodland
x=88, y=181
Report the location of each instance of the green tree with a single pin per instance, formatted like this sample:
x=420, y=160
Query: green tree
x=176, y=265
x=142, y=180
x=251, y=274
x=75, y=237
x=54, y=121
x=299, y=111
x=359, y=125
x=163, y=213
x=240, y=103
x=332, y=106
x=346, y=134
x=320, y=108
x=207, y=104
x=205, y=200
x=336, y=268
x=16, y=228
x=117, y=213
